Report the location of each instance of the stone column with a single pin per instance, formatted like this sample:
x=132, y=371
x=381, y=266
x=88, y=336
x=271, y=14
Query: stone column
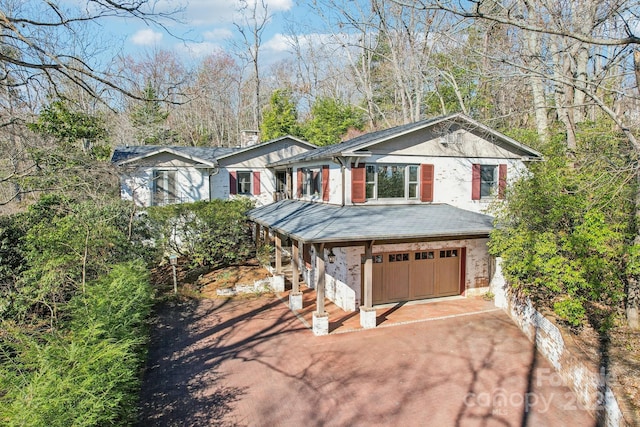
x=367, y=312
x=295, y=297
x=320, y=317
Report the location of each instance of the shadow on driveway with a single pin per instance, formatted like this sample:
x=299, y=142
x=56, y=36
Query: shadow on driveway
x=252, y=362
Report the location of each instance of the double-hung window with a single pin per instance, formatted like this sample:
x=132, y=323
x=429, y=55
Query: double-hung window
x=312, y=182
x=392, y=182
x=244, y=182
x=488, y=181
x=164, y=187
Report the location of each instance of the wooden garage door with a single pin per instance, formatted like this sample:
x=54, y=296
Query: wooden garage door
x=410, y=275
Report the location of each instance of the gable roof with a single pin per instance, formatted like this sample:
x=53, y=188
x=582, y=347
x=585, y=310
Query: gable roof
x=205, y=155
x=132, y=153
x=355, y=146
x=263, y=144
x=324, y=223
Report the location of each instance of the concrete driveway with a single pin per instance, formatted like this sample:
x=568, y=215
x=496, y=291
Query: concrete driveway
x=253, y=362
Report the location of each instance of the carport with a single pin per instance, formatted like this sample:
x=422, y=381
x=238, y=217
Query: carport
x=409, y=252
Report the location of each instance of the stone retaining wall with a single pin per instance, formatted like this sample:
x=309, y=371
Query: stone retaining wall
x=585, y=378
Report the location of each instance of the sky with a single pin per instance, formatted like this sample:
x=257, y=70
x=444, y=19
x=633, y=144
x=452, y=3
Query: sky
x=208, y=26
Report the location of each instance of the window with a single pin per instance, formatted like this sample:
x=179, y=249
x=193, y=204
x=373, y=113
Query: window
x=398, y=257
x=392, y=182
x=164, y=185
x=449, y=253
x=313, y=182
x=244, y=183
x=424, y=255
x=488, y=181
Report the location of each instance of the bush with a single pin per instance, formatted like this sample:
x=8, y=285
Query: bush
x=86, y=374
x=59, y=246
x=564, y=234
x=211, y=233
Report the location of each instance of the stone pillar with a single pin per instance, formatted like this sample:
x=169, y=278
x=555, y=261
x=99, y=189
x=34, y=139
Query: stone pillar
x=367, y=312
x=295, y=297
x=278, y=253
x=320, y=317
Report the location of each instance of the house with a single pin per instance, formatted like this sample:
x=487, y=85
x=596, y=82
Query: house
x=160, y=175
x=395, y=215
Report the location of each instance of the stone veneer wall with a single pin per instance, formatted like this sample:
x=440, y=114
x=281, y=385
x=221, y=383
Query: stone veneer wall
x=585, y=379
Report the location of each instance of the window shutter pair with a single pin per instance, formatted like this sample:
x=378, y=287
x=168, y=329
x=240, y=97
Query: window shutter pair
x=233, y=183
x=359, y=183
x=325, y=183
x=476, y=181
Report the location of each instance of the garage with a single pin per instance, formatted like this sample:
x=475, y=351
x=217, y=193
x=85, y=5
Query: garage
x=412, y=275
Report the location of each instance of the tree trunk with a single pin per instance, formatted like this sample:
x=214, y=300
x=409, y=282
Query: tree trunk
x=537, y=86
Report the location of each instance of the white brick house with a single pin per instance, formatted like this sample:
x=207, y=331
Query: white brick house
x=160, y=175
x=395, y=215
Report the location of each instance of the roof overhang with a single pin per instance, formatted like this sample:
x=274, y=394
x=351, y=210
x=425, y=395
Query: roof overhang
x=338, y=225
x=168, y=150
x=263, y=144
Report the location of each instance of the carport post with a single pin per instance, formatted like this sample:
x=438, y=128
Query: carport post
x=320, y=317
x=278, y=253
x=257, y=231
x=367, y=312
x=295, y=296
x=320, y=268
x=368, y=275
x=295, y=269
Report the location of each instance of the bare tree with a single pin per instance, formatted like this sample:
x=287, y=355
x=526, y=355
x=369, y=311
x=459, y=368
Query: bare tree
x=584, y=52
x=254, y=18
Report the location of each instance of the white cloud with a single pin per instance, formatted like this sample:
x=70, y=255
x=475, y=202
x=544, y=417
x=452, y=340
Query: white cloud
x=207, y=12
x=218, y=34
x=199, y=50
x=278, y=43
x=146, y=37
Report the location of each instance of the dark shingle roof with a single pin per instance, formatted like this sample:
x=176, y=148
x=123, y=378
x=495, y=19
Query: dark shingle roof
x=323, y=223
x=363, y=141
x=210, y=154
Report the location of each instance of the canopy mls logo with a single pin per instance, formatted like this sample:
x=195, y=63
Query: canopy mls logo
x=501, y=402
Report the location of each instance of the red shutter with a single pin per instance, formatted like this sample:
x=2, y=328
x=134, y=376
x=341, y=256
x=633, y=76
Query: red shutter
x=475, y=183
x=256, y=183
x=325, y=183
x=502, y=181
x=233, y=183
x=358, y=183
x=426, y=183
x=299, y=183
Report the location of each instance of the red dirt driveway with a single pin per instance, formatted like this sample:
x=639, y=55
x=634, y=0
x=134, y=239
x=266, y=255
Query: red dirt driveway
x=251, y=362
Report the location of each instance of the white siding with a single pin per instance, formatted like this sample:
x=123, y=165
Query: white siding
x=192, y=185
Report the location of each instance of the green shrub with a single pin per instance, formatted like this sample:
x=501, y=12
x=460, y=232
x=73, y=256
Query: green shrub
x=86, y=374
x=564, y=233
x=570, y=310
x=211, y=233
